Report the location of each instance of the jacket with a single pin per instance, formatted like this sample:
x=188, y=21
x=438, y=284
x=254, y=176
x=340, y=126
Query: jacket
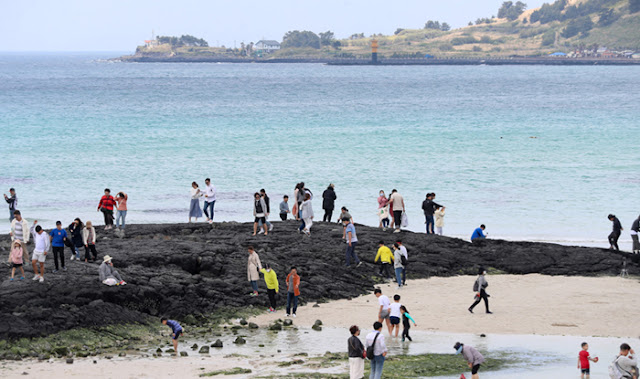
x=329, y=197
x=76, y=235
x=477, y=234
x=85, y=235
x=384, y=254
x=253, y=265
x=271, y=279
x=16, y=255
x=13, y=202
x=25, y=229
x=472, y=355
x=397, y=259
x=617, y=227
x=307, y=209
x=107, y=202
x=296, y=283
x=439, y=218
x=482, y=283
x=627, y=364
x=355, y=347
x=636, y=225
x=106, y=271
x=429, y=206
x=264, y=208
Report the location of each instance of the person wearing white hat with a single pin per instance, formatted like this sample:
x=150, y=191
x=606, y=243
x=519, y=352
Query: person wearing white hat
x=108, y=274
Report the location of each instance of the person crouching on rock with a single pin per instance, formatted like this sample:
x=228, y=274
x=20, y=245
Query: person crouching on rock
x=176, y=332
x=472, y=356
x=253, y=270
x=271, y=280
x=108, y=274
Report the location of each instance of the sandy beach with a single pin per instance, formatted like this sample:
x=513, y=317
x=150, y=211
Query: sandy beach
x=527, y=304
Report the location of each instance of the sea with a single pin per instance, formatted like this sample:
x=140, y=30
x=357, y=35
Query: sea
x=535, y=153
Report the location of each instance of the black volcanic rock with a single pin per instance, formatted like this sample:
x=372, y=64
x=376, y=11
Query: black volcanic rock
x=186, y=270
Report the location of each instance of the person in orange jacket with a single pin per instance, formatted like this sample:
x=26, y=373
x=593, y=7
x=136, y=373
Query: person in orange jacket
x=293, y=291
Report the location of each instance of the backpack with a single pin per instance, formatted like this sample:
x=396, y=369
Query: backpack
x=476, y=286
x=370, y=348
x=614, y=370
x=403, y=259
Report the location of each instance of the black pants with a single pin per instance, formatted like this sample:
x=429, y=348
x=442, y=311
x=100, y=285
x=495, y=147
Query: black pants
x=483, y=295
x=397, y=218
x=404, y=275
x=87, y=250
x=405, y=331
x=272, y=298
x=58, y=253
x=283, y=216
x=613, y=240
x=108, y=217
x=385, y=270
x=327, y=215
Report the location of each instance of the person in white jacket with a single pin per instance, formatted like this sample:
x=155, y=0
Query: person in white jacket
x=19, y=231
x=89, y=241
x=41, y=240
x=209, y=200
x=307, y=214
x=439, y=214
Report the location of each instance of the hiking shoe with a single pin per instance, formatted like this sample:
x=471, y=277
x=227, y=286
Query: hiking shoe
x=271, y=227
x=41, y=279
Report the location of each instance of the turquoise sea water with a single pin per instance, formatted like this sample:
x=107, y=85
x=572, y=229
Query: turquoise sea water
x=533, y=152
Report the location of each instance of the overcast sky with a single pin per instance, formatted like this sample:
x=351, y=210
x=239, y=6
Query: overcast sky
x=121, y=25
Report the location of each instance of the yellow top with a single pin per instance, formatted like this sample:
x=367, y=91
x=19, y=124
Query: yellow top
x=384, y=254
x=271, y=279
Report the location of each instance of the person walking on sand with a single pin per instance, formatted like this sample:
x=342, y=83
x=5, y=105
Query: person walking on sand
x=284, y=208
x=385, y=256
x=398, y=263
x=583, y=361
x=635, y=229
x=263, y=194
x=108, y=274
x=439, y=220
x=19, y=232
x=472, y=356
x=479, y=287
x=383, y=311
x=271, y=280
x=478, y=233
x=293, y=291
x=406, y=325
x=121, y=209
x=375, y=341
x=383, y=210
x=328, y=202
x=429, y=207
x=58, y=237
x=352, y=242
x=16, y=258
x=405, y=262
x=106, y=204
x=344, y=213
x=626, y=363
x=356, y=354
x=89, y=238
x=176, y=332
x=307, y=214
x=259, y=213
x=194, y=207
x=12, y=200
x=209, y=199
x=253, y=270
x=41, y=240
x=397, y=201
x=75, y=233
x=615, y=233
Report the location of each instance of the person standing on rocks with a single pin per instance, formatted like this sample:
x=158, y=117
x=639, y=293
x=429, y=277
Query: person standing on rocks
x=478, y=233
x=635, y=229
x=383, y=211
x=12, y=200
x=194, y=207
x=479, y=288
x=328, y=202
x=39, y=255
x=293, y=291
x=89, y=240
x=176, y=332
x=108, y=274
x=58, y=238
x=106, y=204
x=263, y=194
x=615, y=233
x=439, y=219
x=259, y=213
x=472, y=356
x=306, y=211
x=75, y=231
x=284, y=208
x=375, y=340
x=121, y=209
x=344, y=213
x=209, y=199
x=16, y=256
x=271, y=280
x=352, y=242
x=385, y=256
x=397, y=201
x=383, y=312
x=298, y=194
x=398, y=264
x=356, y=354
x=403, y=251
x=429, y=207
x=19, y=232
x=253, y=269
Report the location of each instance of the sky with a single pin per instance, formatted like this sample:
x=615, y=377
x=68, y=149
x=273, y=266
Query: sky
x=121, y=25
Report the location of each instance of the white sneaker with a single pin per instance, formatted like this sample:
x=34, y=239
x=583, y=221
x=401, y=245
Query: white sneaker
x=271, y=227
x=41, y=279
x=261, y=231
x=36, y=277
x=72, y=257
x=397, y=231
x=294, y=315
x=287, y=314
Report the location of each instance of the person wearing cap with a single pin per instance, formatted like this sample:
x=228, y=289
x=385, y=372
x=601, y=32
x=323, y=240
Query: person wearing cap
x=58, y=237
x=12, y=201
x=328, y=202
x=108, y=274
x=479, y=288
x=352, y=242
x=472, y=356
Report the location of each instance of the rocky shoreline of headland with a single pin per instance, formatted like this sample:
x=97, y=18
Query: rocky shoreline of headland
x=190, y=271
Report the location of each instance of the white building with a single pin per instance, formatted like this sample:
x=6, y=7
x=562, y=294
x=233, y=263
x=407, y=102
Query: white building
x=267, y=46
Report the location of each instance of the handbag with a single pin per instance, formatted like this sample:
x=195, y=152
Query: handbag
x=405, y=220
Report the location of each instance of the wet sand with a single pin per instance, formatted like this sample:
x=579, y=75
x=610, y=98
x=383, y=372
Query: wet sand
x=522, y=304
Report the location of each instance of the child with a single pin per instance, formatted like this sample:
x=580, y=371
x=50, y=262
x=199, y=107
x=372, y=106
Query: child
x=284, y=208
x=176, y=329
x=16, y=258
x=271, y=279
x=439, y=213
x=583, y=361
x=395, y=314
x=405, y=323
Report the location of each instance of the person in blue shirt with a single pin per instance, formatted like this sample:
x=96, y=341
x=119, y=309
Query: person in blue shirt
x=58, y=237
x=176, y=331
x=478, y=233
x=352, y=242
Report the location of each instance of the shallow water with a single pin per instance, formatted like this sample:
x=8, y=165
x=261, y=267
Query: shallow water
x=73, y=125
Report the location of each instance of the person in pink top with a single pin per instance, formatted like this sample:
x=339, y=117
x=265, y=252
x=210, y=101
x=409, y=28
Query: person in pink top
x=383, y=210
x=121, y=208
x=16, y=258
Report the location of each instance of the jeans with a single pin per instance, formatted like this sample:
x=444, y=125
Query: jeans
x=327, y=215
x=120, y=215
x=376, y=367
x=208, y=206
x=404, y=275
x=292, y=299
x=254, y=285
x=272, y=298
x=385, y=222
x=302, y=225
x=399, y=276
x=11, y=214
x=351, y=253
x=260, y=223
x=429, y=219
x=74, y=251
x=58, y=253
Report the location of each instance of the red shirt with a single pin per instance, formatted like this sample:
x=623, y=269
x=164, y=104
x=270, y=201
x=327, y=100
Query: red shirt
x=107, y=202
x=584, y=359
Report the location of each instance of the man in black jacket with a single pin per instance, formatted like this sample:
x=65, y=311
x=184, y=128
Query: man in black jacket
x=328, y=202
x=429, y=207
x=635, y=230
x=615, y=234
